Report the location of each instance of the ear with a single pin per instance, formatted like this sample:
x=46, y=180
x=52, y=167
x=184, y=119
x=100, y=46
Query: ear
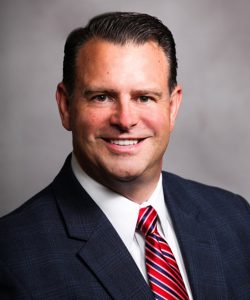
x=175, y=102
x=63, y=104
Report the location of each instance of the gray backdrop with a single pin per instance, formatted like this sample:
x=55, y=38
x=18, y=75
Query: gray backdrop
x=211, y=142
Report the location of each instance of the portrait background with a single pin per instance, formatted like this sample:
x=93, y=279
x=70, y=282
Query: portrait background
x=211, y=141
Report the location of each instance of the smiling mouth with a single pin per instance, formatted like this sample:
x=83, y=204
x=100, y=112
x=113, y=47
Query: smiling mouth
x=128, y=142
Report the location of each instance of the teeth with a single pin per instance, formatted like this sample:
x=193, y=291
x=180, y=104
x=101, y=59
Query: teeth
x=124, y=142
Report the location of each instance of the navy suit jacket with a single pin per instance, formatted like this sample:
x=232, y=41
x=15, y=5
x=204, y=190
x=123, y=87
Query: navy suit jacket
x=60, y=245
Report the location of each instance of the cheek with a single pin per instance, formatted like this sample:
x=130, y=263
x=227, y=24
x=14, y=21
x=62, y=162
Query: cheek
x=158, y=121
x=89, y=121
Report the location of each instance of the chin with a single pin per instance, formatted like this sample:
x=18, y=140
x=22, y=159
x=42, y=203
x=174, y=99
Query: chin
x=125, y=175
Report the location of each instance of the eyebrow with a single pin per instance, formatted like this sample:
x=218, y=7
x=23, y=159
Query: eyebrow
x=148, y=92
x=86, y=92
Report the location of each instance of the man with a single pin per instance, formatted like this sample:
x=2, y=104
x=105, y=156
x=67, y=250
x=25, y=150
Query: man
x=85, y=236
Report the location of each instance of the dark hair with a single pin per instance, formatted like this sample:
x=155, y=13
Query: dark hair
x=119, y=28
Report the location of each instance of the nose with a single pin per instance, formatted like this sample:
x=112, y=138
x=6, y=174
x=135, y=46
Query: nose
x=125, y=115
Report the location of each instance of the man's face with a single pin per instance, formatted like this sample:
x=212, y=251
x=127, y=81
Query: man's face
x=121, y=113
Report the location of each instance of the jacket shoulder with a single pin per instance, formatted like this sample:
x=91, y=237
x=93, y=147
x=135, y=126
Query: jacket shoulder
x=35, y=203
x=27, y=222
x=204, y=196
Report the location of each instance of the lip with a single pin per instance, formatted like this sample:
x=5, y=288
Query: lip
x=124, y=142
x=124, y=145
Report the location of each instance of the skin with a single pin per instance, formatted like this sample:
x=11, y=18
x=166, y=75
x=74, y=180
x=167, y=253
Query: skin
x=121, y=96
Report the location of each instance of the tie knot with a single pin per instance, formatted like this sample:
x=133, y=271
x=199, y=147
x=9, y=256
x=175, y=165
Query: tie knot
x=147, y=218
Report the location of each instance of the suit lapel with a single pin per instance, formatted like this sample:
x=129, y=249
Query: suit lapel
x=102, y=249
x=107, y=256
x=202, y=258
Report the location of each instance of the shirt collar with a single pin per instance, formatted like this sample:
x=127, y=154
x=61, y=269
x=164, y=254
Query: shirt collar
x=121, y=212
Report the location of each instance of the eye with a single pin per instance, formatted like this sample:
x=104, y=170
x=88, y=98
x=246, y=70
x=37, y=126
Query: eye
x=100, y=98
x=144, y=99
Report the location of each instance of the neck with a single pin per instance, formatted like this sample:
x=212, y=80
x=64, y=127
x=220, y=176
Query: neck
x=137, y=190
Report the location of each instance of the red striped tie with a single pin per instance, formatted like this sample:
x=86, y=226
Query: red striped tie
x=163, y=273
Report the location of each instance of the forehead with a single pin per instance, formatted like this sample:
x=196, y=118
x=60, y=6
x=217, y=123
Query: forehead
x=96, y=48
x=102, y=60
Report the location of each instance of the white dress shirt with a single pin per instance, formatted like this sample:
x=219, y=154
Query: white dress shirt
x=123, y=213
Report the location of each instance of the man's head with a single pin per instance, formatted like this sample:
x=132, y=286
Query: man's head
x=119, y=28
x=116, y=100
